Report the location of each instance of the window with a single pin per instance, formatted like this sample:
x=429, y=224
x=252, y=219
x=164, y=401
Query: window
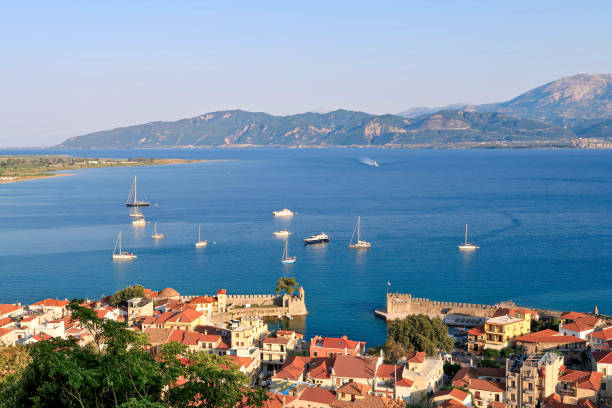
x=530, y=386
x=513, y=397
x=604, y=371
x=496, y=397
x=530, y=399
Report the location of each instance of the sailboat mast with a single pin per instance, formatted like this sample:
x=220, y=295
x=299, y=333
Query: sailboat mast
x=120, y=250
x=465, y=234
x=199, y=239
x=135, y=199
x=358, y=227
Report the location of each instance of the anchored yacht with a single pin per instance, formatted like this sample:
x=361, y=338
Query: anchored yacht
x=122, y=255
x=285, y=212
x=359, y=244
x=466, y=246
x=317, y=239
x=282, y=234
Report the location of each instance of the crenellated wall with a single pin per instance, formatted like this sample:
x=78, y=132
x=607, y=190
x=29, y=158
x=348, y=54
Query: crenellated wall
x=399, y=305
x=261, y=305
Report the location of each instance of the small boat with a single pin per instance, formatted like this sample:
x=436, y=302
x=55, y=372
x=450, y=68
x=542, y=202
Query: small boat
x=122, y=255
x=359, y=244
x=285, y=212
x=156, y=235
x=375, y=164
x=199, y=243
x=139, y=222
x=282, y=234
x=467, y=246
x=132, y=200
x=136, y=213
x=285, y=259
x=317, y=239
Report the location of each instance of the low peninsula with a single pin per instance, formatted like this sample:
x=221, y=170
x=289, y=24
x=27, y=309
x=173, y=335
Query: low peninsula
x=19, y=168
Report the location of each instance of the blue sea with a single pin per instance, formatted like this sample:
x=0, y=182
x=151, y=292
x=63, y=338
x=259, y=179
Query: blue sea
x=542, y=219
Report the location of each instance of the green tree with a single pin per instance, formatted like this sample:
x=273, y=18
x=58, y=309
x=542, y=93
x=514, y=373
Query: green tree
x=488, y=363
x=122, y=296
x=119, y=372
x=491, y=354
x=419, y=333
x=286, y=285
x=507, y=352
x=213, y=382
x=451, y=369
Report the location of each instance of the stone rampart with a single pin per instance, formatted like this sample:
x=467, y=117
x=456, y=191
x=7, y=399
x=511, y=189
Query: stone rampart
x=400, y=305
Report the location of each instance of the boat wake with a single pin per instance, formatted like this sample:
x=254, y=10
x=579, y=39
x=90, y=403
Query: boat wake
x=367, y=161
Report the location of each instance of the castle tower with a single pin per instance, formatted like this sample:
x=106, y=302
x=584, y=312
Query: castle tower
x=222, y=300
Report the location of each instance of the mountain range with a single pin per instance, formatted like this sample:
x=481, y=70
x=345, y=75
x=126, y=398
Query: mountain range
x=550, y=115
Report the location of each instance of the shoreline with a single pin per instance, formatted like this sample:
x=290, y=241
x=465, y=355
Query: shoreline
x=111, y=163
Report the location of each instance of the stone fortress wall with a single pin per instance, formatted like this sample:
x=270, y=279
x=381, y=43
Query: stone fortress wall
x=264, y=305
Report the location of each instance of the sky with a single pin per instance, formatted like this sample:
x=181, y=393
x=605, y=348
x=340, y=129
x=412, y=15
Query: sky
x=70, y=68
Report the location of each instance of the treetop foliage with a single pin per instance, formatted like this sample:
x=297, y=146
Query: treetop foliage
x=123, y=295
x=417, y=333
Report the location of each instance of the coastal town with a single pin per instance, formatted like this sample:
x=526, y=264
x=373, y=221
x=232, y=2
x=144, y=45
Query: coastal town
x=512, y=357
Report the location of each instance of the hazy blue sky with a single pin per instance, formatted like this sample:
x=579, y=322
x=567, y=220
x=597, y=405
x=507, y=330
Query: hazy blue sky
x=69, y=68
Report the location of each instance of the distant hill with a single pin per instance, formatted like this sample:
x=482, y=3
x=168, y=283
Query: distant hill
x=424, y=110
x=337, y=128
x=572, y=101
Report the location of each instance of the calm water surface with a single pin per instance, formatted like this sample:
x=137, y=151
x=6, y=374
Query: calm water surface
x=541, y=217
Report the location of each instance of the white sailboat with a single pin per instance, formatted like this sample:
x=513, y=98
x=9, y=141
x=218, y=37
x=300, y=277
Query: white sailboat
x=283, y=233
x=467, y=246
x=199, y=243
x=285, y=212
x=156, y=235
x=122, y=255
x=132, y=200
x=285, y=259
x=359, y=244
x=139, y=222
x=136, y=213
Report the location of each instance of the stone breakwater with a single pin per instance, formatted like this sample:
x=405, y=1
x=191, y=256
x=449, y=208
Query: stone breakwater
x=400, y=305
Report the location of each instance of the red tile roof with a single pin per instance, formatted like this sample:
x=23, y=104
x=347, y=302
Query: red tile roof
x=278, y=400
x=548, y=336
x=186, y=316
x=5, y=321
x=8, y=308
x=389, y=371
x=320, y=367
x=555, y=401
x=293, y=368
x=241, y=361
x=275, y=340
x=404, y=382
x=4, y=331
x=572, y=315
x=604, y=334
x=453, y=392
x=476, y=331
x=354, y=388
x=202, y=300
x=484, y=385
x=465, y=374
x=416, y=357
x=339, y=343
x=354, y=367
x=586, y=380
x=451, y=403
x=51, y=302
x=582, y=324
x=221, y=292
x=497, y=404
x=318, y=395
x=603, y=357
